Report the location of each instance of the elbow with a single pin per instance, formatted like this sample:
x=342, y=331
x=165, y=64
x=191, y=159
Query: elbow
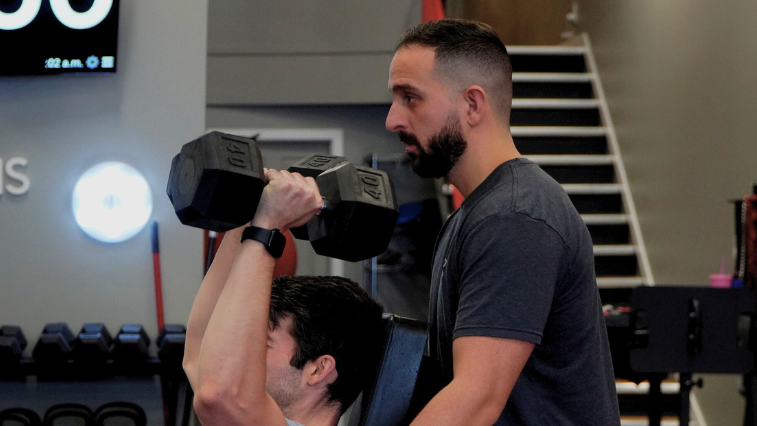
x=190, y=369
x=211, y=404
x=493, y=403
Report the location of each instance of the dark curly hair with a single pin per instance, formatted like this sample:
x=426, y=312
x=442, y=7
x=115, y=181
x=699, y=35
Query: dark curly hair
x=331, y=316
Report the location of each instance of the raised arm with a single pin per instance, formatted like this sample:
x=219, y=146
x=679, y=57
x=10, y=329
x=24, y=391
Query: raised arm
x=229, y=366
x=206, y=299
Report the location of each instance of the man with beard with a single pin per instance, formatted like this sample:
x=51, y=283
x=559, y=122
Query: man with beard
x=295, y=352
x=516, y=321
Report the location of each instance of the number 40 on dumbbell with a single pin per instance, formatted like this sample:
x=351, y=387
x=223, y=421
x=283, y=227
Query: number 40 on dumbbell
x=216, y=182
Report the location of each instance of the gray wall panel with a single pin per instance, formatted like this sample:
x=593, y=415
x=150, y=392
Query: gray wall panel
x=303, y=52
x=282, y=80
x=308, y=26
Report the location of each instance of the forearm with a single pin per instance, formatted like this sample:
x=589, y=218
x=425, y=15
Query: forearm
x=232, y=357
x=207, y=298
x=485, y=372
x=460, y=404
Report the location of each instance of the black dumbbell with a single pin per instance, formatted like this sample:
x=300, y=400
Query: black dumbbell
x=19, y=416
x=170, y=343
x=93, y=344
x=12, y=343
x=312, y=166
x=131, y=344
x=114, y=413
x=55, y=344
x=360, y=209
x=69, y=414
x=216, y=181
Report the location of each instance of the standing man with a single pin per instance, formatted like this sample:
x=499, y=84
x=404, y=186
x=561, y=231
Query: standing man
x=516, y=320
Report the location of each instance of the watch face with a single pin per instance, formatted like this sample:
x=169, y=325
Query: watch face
x=277, y=243
x=273, y=240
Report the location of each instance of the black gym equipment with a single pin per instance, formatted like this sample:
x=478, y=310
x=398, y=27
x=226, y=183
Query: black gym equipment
x=689, y=330
x=55, y=344
x=216, y=181
x=170, y=343
x=19, y=417
x=12, y=343
x=77, y=414
x=93, y=344
x=111, y=413
x=131, y=344
x=389, y=398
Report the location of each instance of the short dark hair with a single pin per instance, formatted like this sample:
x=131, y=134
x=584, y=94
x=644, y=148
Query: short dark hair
x=467, y=53
x=331, y=316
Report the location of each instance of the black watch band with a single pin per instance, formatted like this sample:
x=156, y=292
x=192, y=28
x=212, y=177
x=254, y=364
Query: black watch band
x=273, y=240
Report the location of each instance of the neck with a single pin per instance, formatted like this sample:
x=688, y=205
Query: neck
x=487, y=149
x=314, y=412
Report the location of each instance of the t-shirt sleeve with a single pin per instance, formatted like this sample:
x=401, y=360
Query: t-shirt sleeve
x=508, y=268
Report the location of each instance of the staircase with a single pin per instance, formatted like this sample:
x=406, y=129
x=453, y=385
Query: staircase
x=560, y=120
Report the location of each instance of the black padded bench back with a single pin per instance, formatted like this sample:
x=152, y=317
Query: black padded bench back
x=386, y=402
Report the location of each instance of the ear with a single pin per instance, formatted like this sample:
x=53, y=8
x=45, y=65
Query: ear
x=476, y=103
x=321, y=370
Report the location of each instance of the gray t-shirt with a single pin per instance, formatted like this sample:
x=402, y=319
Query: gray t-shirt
x=293, y=423
x=516, y=261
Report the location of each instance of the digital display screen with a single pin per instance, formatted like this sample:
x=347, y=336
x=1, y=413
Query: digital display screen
x=45, y=37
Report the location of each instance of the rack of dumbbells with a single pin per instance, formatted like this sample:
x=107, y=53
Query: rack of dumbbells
x=94, y=354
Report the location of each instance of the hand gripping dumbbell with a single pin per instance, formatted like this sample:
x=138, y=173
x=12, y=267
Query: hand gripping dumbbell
x=217, y=180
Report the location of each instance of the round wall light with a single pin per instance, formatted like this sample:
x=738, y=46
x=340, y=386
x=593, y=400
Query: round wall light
x=112, y=202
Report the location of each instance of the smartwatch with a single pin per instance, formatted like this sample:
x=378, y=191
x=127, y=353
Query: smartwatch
x=273, y=240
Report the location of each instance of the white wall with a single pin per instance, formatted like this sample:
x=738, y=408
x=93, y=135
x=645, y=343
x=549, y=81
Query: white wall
x=49, y=269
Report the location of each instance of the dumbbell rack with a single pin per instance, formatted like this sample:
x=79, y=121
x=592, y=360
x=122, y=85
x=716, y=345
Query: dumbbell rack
x=176, y=392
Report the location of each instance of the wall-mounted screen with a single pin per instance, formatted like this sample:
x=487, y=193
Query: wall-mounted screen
x=44, y=37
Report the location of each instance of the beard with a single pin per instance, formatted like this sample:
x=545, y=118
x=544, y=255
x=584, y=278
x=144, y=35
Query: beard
x=443, y=152
x=284, y=388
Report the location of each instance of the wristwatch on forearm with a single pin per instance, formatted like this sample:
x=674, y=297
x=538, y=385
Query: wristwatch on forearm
x=273, y=240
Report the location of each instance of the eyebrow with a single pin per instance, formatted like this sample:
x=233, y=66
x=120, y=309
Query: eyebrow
x=405, y=87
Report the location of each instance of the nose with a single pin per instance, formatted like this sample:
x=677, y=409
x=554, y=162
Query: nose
x=394, y=120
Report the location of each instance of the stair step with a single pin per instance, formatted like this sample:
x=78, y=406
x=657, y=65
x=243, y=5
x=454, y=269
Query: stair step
x=546, y=50
x=592, y=188
x=615, y=263
x=560, y=104
x=547, y=58
x=552, y=77
x=644, y=421
x=604, y=219
x=575, y=131
x=625, y=387
x=553, y=85
x=544, y=89
x=573, y=160
x=561, y=145
x=610, y=203
x=610, y=234
x=619, y=282
x=554, y=112
x=614, y=250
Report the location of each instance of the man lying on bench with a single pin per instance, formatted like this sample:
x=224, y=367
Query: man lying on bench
x=293, y=351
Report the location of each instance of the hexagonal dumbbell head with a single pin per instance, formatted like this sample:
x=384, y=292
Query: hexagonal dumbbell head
x=12, y=343
x=312, y=166
x=361, y=213
x=216, y=181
